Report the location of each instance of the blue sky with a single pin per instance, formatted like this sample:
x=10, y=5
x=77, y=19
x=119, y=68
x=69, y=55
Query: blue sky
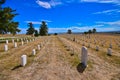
x=61, y=15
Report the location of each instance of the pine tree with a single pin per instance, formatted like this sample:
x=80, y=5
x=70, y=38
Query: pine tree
x=30, y=30
x=43, y=29
x=6, y=20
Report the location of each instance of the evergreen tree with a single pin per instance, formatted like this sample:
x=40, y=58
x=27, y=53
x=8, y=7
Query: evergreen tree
x=31, y=29
x=89, y=31
x=94, y=30
x=43, y=29
x=6, y=20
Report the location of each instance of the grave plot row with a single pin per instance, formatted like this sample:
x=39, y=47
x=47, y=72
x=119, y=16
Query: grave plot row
x=94, y=46
x=8, y=46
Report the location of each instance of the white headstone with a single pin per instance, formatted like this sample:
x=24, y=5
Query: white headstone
x=33, y=39
x=6, y=41
x=23, y=60
x=15, y=44
x=6, y=47
x=33, y=52
x=84, y=56
x=27, y=41
x=38, y=47
x=13, y=41
x=22, y=42
x=109, y=51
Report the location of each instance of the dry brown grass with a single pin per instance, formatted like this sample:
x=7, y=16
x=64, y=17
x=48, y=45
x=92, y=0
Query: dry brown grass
x=59, y=58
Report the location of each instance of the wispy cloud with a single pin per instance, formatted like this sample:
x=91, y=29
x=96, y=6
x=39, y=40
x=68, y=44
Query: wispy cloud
x=38, y=22
x=34, y=22
x=114, y=23
x=103, y=1
x=108, y=11
x=48, y=5
x=46, y=20
x=57, y=30
x=85, y=28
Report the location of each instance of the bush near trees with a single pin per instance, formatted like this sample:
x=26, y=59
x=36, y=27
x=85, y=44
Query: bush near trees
x=69, y=31
x=36, y=33
x=55, y=33
x=7, y=25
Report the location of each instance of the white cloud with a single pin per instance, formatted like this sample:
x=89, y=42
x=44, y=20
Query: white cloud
x=43, y=4
x=108, y=11
x=49, y=4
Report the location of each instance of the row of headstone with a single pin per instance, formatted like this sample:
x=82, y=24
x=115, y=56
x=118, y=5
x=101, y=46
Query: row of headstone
x=15, y=44
x=22, y=39
x=24, y=57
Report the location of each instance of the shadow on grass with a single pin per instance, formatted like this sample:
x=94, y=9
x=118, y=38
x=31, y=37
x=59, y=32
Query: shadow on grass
x=81, y=68
x=16, y=67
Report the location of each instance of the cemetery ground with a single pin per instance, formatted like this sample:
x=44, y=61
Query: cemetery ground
x=59, y=58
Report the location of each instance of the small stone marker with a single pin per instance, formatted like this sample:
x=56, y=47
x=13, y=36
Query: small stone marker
x=17, y=40
x=110, y=46
x=6, y=41
x=23, y=60
x=84, y=56
x=27, y=41
x=13, y=41
x=15, y=44
x=97, y=48
x=109, y=52
x=38, y=47
x=6, y=47
x=22, y=42
x=33, y=39
x=33, y=52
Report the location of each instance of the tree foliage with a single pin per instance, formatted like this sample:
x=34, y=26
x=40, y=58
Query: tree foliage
x=31, y=29
x=7, y=25
x=69, y=31
x=43, y=29
x=90, y=31
x=94, y=30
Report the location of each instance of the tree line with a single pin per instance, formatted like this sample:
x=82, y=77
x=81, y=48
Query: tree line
x=87, y=32
x=43, y=30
